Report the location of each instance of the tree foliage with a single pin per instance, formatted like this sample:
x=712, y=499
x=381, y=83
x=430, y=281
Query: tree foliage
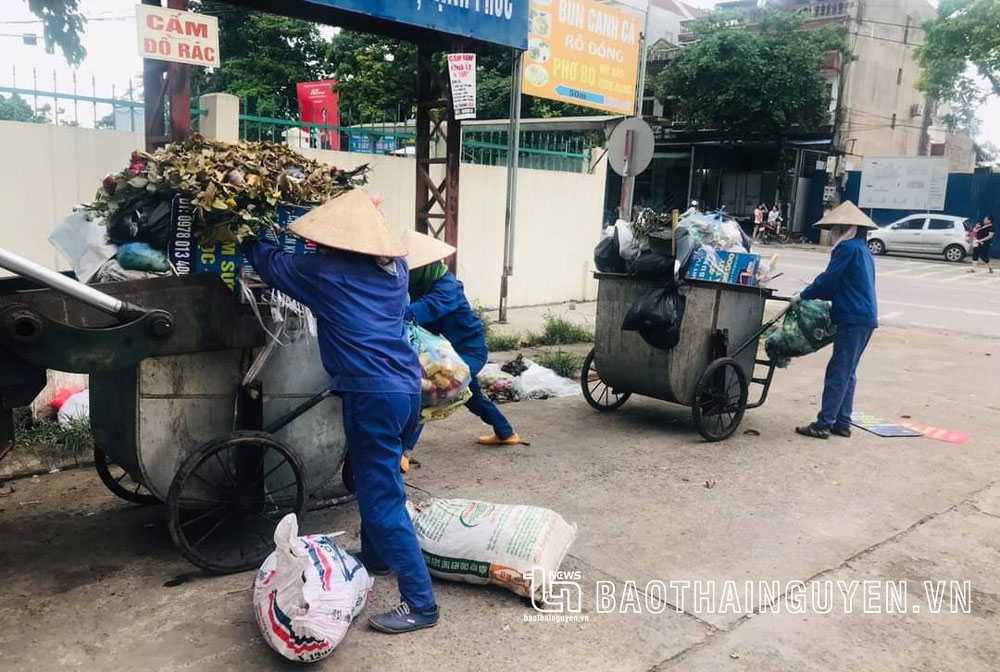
x=62, y=25
x=766, y=80
x=965, y=33
x=377, y=76
x=263, y=57
x=16, y=108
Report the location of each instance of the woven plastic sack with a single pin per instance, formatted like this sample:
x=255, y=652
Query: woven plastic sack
x=806, y=328
x=479, y=542
x=445, y=376
x=307, y=593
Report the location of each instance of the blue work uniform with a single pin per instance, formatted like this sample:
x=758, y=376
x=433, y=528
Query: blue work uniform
x=359, y=317
x=849, y=282
x=444, y=310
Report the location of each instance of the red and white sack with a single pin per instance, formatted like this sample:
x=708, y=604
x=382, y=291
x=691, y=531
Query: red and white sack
x=307, y=593
x=479, y=542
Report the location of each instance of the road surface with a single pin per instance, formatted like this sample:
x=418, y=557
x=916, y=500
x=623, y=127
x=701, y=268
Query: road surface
x=912, y=291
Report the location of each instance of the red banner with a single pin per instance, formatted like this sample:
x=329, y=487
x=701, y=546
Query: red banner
x=318, y=104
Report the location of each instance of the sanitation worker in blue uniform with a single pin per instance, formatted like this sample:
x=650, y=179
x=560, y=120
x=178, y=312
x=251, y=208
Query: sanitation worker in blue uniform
x=356, y=287
x=849, y=282
x=438, y=304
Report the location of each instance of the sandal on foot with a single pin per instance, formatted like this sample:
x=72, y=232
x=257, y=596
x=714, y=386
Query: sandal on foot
x=814, y=431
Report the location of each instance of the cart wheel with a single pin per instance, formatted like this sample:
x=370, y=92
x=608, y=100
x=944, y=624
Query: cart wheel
x=597, y=393
x=720, y=399
x=120, y=482
x=227, y=498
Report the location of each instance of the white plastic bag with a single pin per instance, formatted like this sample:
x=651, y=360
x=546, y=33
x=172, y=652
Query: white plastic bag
x=628, y=244
x=76, y=407
x=83, y=243
x=496, y=384
x=307, y=593
x=538, y=382
x=479, y=542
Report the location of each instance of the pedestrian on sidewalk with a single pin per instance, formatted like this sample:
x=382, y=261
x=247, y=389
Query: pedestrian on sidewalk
x=982, y=240
x=849, y=282
x=356, y=287
x=438, y=304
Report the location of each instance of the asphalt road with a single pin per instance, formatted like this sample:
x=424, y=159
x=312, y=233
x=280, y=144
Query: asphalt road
x=912, y=291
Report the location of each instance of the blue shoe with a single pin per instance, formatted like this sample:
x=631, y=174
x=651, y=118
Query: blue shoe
x=401, y=620
x=371, y=569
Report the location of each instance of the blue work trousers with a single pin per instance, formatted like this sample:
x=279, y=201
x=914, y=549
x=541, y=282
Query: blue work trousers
x=377, y=426
x=841, y=377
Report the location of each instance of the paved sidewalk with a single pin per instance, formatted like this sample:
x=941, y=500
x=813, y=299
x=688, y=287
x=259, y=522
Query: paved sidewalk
x=90, y=583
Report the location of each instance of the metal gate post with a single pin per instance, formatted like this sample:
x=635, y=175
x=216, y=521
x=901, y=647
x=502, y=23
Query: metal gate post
x=436, y=203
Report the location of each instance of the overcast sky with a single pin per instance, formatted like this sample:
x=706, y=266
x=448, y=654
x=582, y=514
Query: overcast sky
x=112, y=57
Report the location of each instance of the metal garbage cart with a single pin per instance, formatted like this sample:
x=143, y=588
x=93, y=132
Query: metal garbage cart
x=179, y=412
x=709, y=370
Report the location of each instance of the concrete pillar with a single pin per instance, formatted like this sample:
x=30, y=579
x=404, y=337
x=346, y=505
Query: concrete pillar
x=221, y=121
x=296, y=138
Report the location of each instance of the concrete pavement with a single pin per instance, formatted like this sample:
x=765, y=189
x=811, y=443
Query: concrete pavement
x=90, y=583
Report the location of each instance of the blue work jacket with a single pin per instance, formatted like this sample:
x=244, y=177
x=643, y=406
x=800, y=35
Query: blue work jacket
x=444, y=310
x=849, y=282
x=359, y=314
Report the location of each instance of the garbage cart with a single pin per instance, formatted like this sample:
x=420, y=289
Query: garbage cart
x=192, y=404
x=710, y=369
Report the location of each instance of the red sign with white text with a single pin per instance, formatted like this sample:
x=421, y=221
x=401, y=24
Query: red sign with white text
x=318, y=104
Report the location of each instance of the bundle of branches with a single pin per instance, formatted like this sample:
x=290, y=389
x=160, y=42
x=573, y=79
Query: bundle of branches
x=231, y=185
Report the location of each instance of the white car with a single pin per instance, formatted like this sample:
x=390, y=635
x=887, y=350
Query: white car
x=924, y=234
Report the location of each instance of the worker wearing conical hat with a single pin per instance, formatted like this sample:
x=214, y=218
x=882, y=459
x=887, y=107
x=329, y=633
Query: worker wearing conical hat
x=356, y=286
x=438, y=304
x=849, y=282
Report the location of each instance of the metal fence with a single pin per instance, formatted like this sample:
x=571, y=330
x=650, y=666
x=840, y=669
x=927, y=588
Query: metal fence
x=85, y=106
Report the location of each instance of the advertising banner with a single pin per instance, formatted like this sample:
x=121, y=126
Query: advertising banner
x=582, y=52
x=318, y=104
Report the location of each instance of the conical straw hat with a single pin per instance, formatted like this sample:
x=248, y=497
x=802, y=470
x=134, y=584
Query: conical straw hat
x=846, y=214
x=424, y=249
x=350, y=222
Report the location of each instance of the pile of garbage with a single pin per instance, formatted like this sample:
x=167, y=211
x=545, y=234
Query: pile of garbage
x=521, y=379
x=151, y=216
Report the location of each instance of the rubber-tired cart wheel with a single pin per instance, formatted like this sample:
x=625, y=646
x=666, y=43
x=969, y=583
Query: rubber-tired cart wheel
x=598, y=393
x=227, y=498
x=720, y=399
x=120, y=482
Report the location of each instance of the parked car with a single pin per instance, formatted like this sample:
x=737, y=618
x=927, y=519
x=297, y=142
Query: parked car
x=924, y=234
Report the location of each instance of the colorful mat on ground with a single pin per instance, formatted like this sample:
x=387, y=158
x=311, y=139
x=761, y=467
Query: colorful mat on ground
x=881, y=426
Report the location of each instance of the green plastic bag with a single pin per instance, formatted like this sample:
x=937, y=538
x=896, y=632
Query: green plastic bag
x=805, y=329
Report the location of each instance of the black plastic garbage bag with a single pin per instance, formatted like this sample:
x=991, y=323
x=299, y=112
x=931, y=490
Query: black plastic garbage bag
x=607, y=258
x=149, y=222
x=805, y=329
x=654, y=266
x=657, y=316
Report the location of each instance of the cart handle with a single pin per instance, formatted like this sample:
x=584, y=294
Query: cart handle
x=767, y=325
x=105, y=303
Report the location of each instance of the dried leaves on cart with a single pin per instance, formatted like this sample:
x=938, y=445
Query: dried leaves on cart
x=232, y=185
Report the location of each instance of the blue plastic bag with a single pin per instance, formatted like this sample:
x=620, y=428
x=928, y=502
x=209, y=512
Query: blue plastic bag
x=139, y=256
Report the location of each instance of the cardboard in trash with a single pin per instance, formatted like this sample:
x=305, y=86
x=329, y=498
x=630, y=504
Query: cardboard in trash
x=735, y=268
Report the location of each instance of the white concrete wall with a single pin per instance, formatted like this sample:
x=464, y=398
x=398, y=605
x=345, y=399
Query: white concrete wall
x=558, y=224
x=44, y=171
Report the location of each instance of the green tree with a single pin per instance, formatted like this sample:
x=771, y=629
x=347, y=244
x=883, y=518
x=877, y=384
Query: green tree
x=62, y=25
x=965, y=33
x=376, y=76
x=263, y=57
x=763, y=81
x=16, y=108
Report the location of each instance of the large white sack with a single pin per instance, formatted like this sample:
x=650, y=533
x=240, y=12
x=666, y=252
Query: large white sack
x=479, y=542
x=83, y=243
x=307, y=593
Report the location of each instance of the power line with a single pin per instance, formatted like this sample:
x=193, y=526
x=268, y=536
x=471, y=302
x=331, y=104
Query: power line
x=911, y=26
